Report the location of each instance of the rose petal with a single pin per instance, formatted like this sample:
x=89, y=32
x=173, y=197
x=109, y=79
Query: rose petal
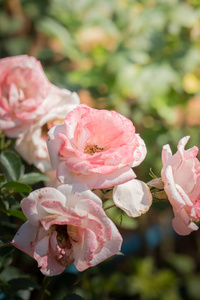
x=182, y=223
x=24, y=237
x=46, y=260
x=134, y=197
x=32, y=205
x=95, y=180
x=77, y=192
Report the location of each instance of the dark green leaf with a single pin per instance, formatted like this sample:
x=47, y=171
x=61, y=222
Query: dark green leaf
x=2, y=178
x=4, y=243
x=33, y=178
x=17, y=187
x=23, y=284
x=11, y=165
x=73, y=297
x=16, y=213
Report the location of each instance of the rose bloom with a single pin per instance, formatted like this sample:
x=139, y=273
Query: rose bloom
x=66, y=225
x=32, y=144
x=95, y=147
x=181, y=177
x=25, y=94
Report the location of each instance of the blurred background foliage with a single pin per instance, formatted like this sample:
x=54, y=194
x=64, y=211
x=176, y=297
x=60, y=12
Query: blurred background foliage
x=142, y=59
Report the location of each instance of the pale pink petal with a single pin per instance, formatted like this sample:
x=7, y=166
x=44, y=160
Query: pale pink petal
x=32, y=205
x=118, y=177
x=13, y=95
x=170, y=188
x=182, y=224
x=59, y=103
x=84, y=251
x=134, y=197
x=182, y=143
x=51, y=220
x=140, y=152
x=111, y=247
x=95, y=180
x=46, y=260
x=166, y=154
x=76, y=192
x=24, y=237
x=54, y=144
x=97, y=213
x=184, y=196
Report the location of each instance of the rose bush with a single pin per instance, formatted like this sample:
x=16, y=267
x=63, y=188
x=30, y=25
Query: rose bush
x=95, y=147
x=66, y=225
x=181, y=177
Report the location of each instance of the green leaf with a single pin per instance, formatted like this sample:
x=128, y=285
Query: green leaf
x=2, y=178
x=73, y=297
x=17, y=187
x=23, y=284
x=16, y=213
x=11, y=165
x=4, y=243
x=33, y=178
x=182, y=263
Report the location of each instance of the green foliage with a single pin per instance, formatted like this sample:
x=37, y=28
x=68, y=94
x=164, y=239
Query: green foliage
x=119, y=218
x=72, y=297
x=11, y=164
x=32, y=178
x=14, y=185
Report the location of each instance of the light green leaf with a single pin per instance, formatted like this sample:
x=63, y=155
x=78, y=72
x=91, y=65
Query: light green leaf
x=2, y=178
x=33, y=178
x=12, y=166
x=16, y=213
x=17, y=187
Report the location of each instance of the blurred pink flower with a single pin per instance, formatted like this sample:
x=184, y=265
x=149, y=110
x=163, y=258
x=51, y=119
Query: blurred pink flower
x=32, y=144
x=23, y=87
x=66, y=225
x=95, y=147
x=181, y=177
x=29, y=106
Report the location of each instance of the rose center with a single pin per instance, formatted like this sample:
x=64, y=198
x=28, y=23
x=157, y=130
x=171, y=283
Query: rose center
x=63, y=237
x=92, y=149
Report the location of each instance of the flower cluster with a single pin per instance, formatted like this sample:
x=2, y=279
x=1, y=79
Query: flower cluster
x=89, y=149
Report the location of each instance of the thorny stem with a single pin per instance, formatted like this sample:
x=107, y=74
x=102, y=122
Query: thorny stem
x=42, y=291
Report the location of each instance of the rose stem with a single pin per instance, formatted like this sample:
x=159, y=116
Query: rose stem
x=45, y=283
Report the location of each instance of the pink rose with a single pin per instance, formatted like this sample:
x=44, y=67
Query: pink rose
x=95, y=147
x=25, y=94
x=32, y=144
x=66, y=225
x=23, y=86
x=181, y=177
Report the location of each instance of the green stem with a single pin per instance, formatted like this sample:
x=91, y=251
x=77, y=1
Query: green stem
x=110, y=206
x=42, y=291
